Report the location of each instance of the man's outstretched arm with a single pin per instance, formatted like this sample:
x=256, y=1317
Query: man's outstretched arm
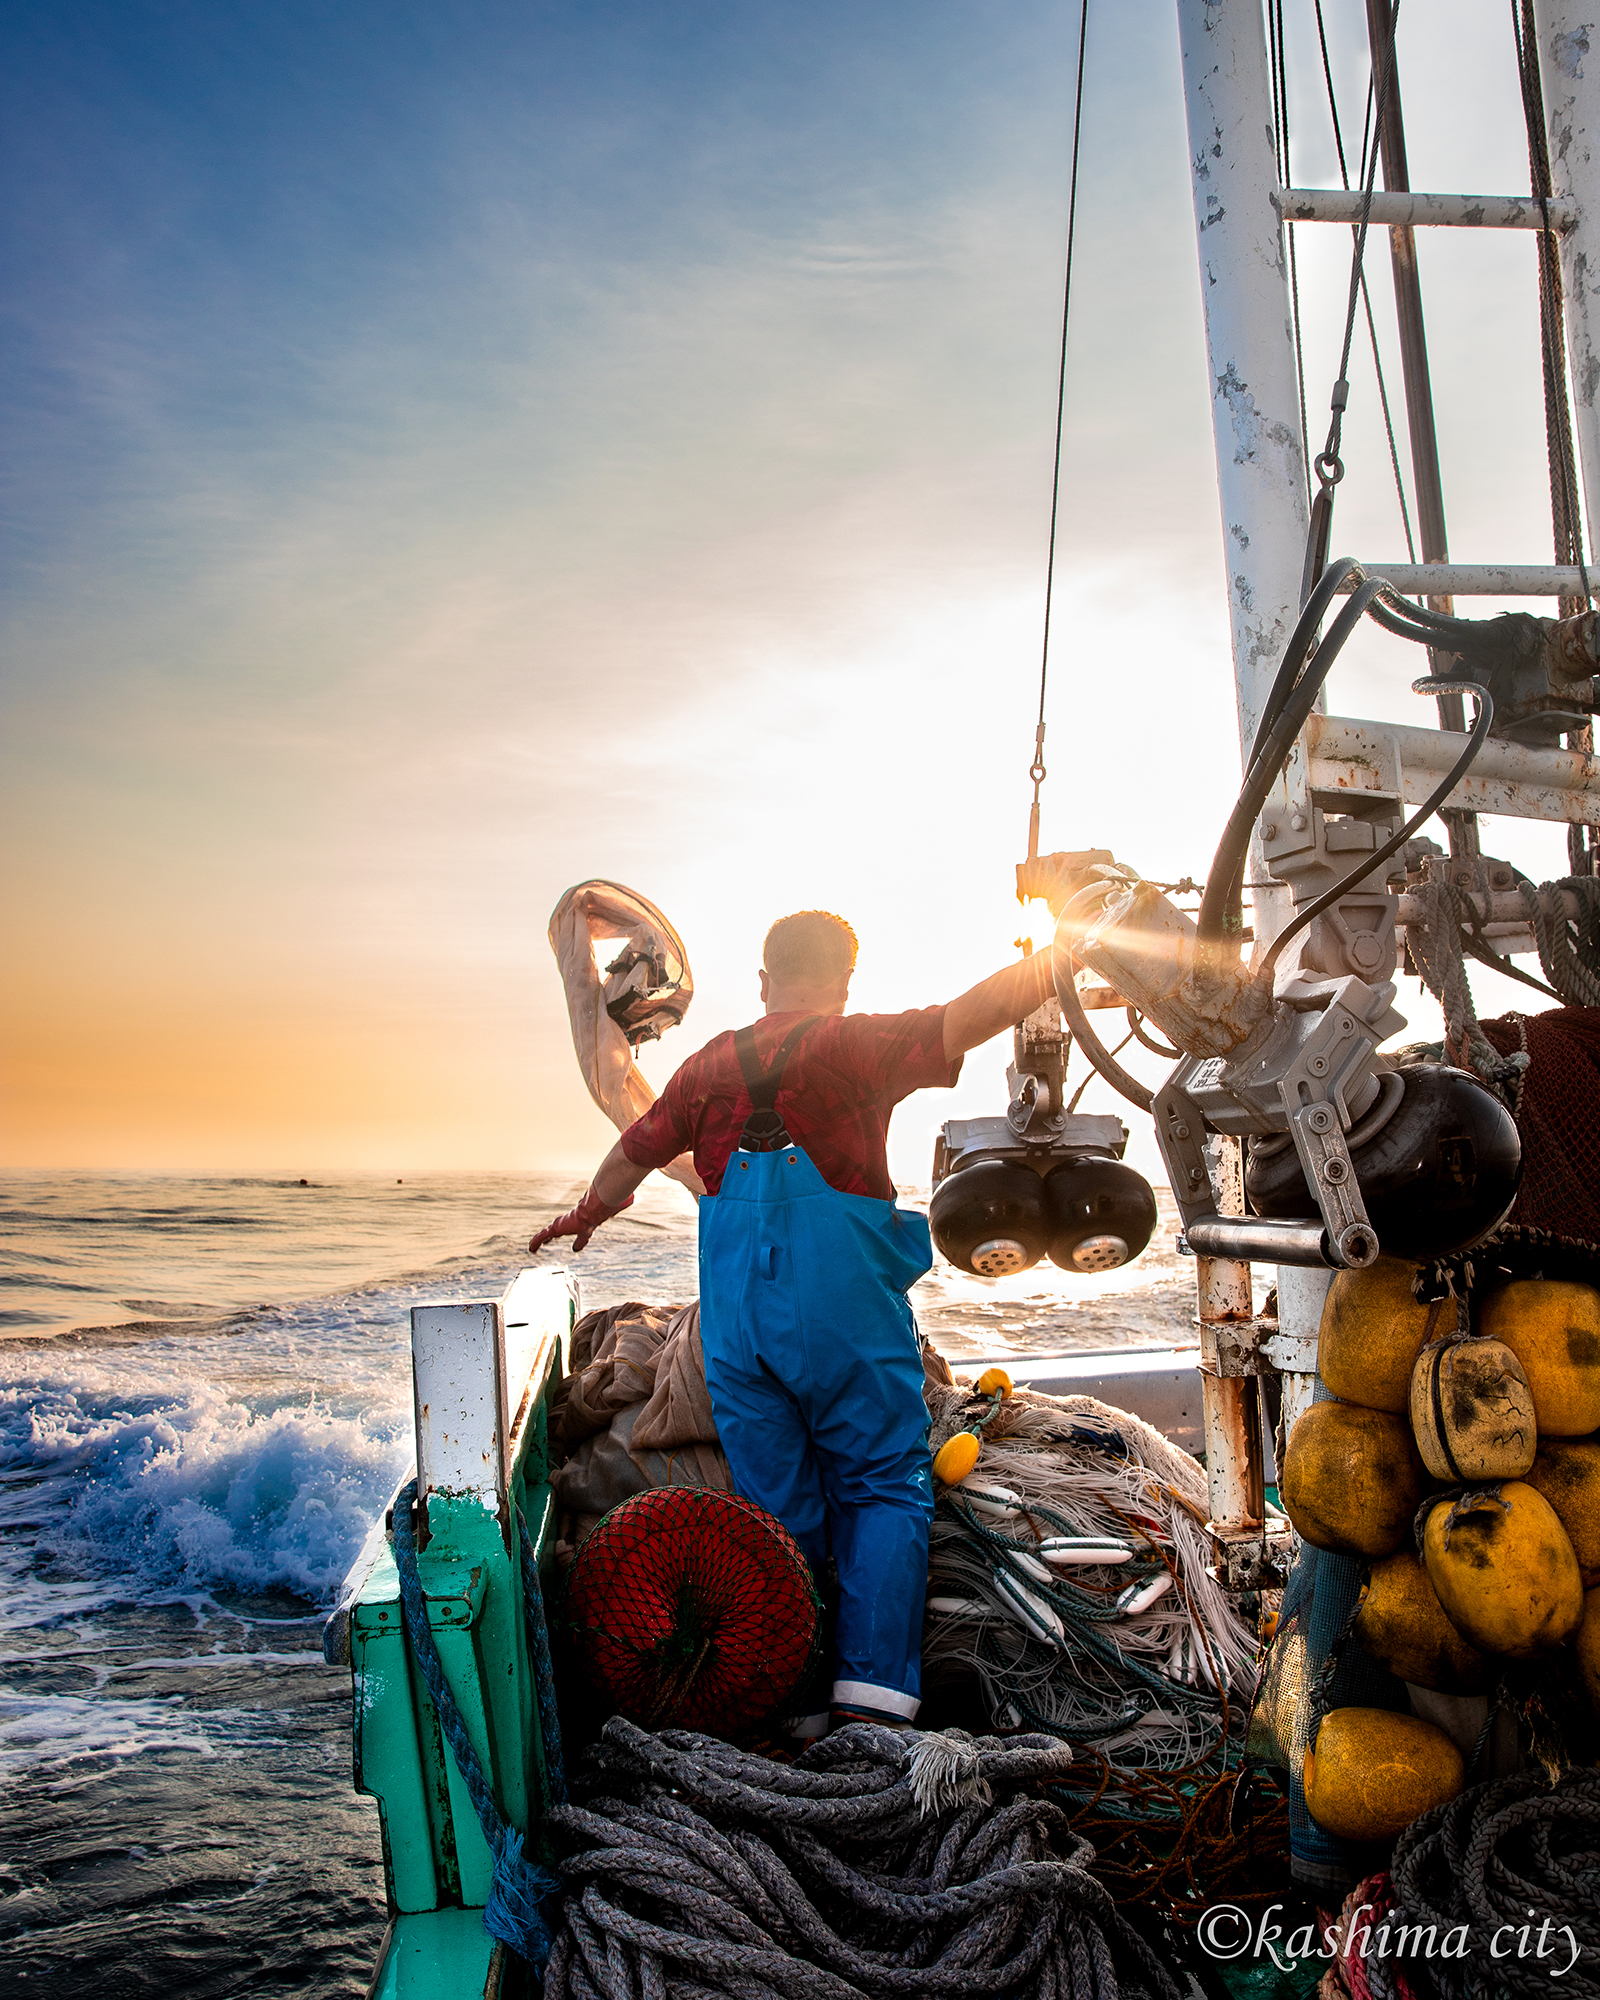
x=609, y=1193
x=997, y=1003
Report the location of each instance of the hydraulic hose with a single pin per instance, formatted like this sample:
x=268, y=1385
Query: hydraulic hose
x=1227, y=868
x=1301, y=641
x=1433, y=628
x=1063, y=967
x=1481, y=722
x=1305, y=666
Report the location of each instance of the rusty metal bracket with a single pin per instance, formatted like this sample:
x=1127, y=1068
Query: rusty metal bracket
x=1314, y=1090
x=1234, y=1348
x=1250, y=1558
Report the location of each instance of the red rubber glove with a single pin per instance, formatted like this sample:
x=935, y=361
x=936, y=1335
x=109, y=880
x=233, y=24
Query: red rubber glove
x=579, y=1223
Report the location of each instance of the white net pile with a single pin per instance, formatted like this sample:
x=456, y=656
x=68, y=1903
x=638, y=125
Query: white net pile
x=1141, y=1655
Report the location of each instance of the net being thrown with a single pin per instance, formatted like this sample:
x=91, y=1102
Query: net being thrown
x=693, y=1608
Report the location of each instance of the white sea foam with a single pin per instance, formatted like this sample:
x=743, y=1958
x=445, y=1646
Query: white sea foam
x=39, y=1732
x=185, y=1491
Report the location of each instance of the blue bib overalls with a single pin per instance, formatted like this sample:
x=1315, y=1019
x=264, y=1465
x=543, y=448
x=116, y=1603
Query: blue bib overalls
x=815, y=1372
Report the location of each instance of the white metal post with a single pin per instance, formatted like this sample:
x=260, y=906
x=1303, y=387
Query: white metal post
x=1261, y=482
x=1255, y=404
x=1569, y=70
x=458, y=1387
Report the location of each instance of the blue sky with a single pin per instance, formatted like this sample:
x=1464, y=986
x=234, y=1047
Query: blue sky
x=456, y=450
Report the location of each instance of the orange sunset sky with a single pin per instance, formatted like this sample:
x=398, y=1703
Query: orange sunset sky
x=618, y=444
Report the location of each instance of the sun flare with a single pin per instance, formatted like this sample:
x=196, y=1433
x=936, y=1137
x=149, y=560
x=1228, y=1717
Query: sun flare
x=1038, y=925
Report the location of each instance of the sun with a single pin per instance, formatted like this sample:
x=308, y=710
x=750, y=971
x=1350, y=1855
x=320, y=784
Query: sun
x=1038, y=925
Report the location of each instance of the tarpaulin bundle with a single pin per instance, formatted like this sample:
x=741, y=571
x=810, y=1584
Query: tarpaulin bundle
x=645, y=990
x=884, y=1862
x=693, y=1607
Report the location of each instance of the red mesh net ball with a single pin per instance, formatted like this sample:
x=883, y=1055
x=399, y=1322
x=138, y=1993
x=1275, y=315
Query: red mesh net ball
x=692, y=1610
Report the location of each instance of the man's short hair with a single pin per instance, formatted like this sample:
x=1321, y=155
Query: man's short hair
x=811, y=948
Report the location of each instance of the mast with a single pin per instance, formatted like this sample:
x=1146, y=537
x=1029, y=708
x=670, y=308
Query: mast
x=1261, y=483
x=1255, y=402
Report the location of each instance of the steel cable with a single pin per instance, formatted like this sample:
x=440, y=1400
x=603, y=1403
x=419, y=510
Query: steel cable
x=1366, y=296
x=694, y=1868
x=1036, y=770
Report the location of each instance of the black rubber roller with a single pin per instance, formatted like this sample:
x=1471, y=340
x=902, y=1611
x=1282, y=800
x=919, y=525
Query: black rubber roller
x=989, y=1218
x=1102, y=1214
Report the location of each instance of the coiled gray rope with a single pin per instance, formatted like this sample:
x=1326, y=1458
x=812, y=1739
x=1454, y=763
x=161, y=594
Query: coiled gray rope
x=883, y=1862
x=1435, y=947
x=1501, y=1859
x=1569, y=954
x=1568, y=961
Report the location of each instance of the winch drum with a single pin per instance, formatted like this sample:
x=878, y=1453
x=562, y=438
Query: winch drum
x=1438, y=1174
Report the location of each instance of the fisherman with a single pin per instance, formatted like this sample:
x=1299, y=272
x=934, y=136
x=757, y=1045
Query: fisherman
x=812, y=1355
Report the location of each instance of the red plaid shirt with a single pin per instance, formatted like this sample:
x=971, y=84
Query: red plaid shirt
x=841, y=1082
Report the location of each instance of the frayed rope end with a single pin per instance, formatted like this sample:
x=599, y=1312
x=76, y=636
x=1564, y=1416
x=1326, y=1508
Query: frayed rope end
x=946, y=1770
x=521, y=1905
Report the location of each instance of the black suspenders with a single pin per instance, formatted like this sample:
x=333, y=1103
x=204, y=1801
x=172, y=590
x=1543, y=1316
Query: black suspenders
x=764, y=1130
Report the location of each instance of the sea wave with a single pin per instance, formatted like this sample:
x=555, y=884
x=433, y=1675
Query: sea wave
x=184, y=1493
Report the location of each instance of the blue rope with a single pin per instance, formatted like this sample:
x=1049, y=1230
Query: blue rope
x=520, y=1891
x=544, y=1679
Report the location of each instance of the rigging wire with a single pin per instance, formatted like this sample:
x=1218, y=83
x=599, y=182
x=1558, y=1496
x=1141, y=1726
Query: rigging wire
x=1036, y=770
x=1329, y=465
x=1366, y=296
x=1564, y=507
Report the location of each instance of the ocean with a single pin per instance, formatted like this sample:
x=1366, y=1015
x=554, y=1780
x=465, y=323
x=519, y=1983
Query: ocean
x=204, y=1405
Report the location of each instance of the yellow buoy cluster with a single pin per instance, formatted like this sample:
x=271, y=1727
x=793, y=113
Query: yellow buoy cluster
x=1497, y=1424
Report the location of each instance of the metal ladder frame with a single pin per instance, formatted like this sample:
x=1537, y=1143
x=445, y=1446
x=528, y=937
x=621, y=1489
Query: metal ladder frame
x=1240, y=210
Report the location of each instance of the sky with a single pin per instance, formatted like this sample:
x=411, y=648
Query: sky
x=458, y=450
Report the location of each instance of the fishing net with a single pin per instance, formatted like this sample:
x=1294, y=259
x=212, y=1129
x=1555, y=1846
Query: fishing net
x=693, y=1609
x=1558, y=1116
x=1145, y=1685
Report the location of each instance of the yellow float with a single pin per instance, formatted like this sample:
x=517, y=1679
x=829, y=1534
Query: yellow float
x=955, y=1458
x=1369, y=1773
x=1401, y=1624
x=1567, y=1473
x=1372, y=1331
x=1553, y=1328
x=1504, y=1570
x=1351, y=1479
x=1472, y=1411
x=1587, y=1645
